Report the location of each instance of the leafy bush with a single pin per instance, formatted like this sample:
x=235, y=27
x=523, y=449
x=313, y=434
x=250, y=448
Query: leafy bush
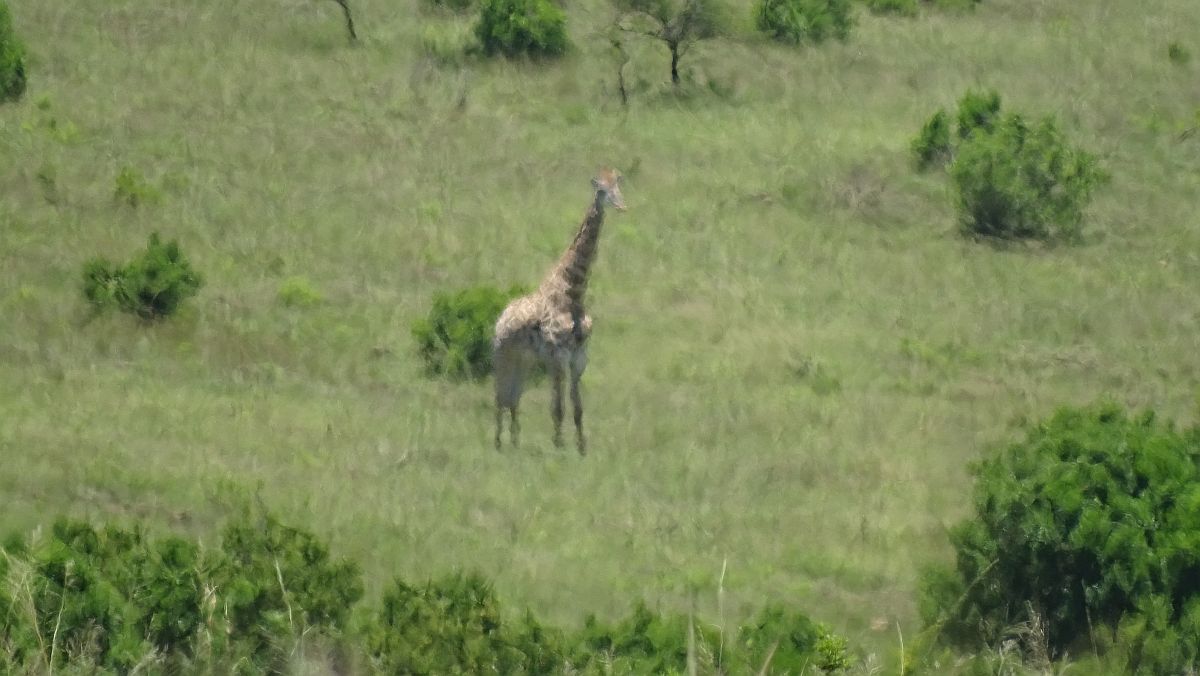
x=799, y=21
x=512, y=27
x=107, y=595
x=898, y=7
x=12, y=59
x=1090, y=526
x=113, y=598
x=455, y=625
x=456, y=338
x=279, y=580
x=646, y=642
x=151, y=286
x=978, y=111
x=84, y=599
x=1022, y=181
x=796, y=641
x=932, y=146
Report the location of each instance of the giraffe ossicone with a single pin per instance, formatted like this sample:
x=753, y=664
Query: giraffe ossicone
x=550, y=326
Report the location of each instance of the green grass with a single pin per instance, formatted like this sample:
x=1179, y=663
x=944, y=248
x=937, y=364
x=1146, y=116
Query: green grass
x=795, y=354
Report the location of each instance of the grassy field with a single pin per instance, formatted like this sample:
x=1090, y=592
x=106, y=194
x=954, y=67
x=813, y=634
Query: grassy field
x=795, y=358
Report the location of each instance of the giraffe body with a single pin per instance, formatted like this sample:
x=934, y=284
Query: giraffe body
x=550, y=326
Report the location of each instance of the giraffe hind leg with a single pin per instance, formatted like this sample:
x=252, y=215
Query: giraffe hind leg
x=509, y=384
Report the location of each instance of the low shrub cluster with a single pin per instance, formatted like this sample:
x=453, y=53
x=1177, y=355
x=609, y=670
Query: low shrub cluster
x=152, y=286
x=1085, y=536
x=802, y=21
x=455, y=340
x=113, y=600
x=1014, y=179
x=513, y=27
x=12, y=59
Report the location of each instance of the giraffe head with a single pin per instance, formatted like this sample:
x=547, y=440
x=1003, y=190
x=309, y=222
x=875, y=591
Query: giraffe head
x=608, y=188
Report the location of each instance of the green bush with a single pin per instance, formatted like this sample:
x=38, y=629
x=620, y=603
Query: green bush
x=646, y=642
x=87, y=599
x=932, y=145
x=455, y=626
x=512, y=27
x=897, y=7
x=978, y=111
x=800, y=21
x=279, y=580
x=797, y=641
x=456, y=338
x=1089, y=526
x=151, y=286
x=1022, y=181
x=110, y=597
x=12, y=59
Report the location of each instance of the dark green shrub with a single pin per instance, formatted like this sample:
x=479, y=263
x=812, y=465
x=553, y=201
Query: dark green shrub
x=278, y=580
x=798, y=644
x=109, y=596
x=113, y=597
x=1022, y=181
x=799, y=21
x=455, y=626
x=932, y=146
x=512, y=27
x=12, y=59
x=456, y=339
x=151, y=286
x=897, y=7
x=978, y=111
x=1178, y=54
x=646, y=642
x=1090, y=525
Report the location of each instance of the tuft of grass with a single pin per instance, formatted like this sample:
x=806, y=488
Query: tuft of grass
x=1178, y=54
x=298, y=291
x=131, y=188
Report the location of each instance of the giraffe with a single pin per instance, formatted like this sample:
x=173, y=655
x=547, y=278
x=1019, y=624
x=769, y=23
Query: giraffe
x=551, y=326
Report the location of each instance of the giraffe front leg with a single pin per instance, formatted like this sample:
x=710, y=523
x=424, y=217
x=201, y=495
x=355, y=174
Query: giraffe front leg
x=578, y=364
x=577, y=403
x=499, y=424
x=556, y=402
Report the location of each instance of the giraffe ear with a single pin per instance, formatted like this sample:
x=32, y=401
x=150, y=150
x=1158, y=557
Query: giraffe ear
x=596, y=183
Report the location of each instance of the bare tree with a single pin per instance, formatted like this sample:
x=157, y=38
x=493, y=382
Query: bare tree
x=349, y=19
x=678, y=24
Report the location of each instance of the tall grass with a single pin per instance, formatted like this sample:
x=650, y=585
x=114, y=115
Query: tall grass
x=795, y=354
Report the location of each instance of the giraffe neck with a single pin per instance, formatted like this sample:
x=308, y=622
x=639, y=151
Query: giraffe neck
x=570, y=275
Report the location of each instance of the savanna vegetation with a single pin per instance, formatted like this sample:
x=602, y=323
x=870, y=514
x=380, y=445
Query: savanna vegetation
x=843, y=372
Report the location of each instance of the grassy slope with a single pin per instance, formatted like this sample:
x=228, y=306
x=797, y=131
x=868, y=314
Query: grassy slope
x=795, y=355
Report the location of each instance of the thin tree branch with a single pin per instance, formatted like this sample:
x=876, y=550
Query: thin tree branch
x=349, y=19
